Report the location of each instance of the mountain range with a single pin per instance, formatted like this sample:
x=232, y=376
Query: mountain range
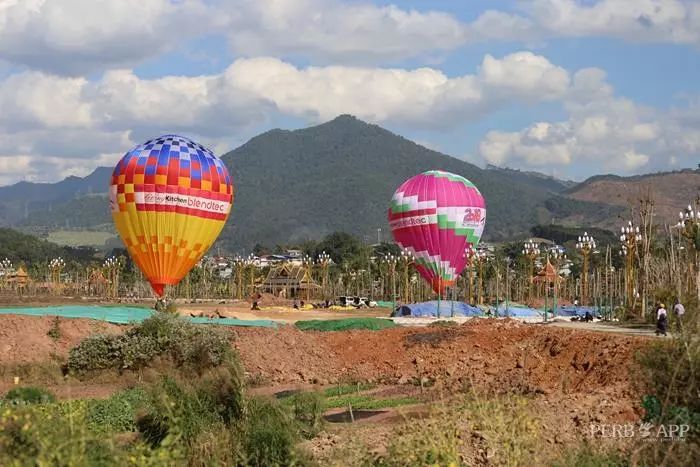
x=300, y=185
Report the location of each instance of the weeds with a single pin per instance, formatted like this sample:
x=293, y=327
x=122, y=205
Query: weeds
x=28, y=395
x=54, y=331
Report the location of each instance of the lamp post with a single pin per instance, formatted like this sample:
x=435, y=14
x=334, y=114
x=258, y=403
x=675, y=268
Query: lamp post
x=629, y=238
x=308, y=264
x=239, y=265
x=112, y=266
x=585, y=245
x=689, y=225
x=406, y=260
x=469, y=253
x=324, y=260
x=531, y=251
x=55, y=266
x=481, y=257
x=391, y=261
x=250, y=264
x=6, y=267
x=558, y=258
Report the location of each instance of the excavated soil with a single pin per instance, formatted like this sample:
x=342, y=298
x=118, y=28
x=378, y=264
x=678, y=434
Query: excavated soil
x=482, y=353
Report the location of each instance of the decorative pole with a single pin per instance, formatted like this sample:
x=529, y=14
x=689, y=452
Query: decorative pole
x=6, y=267
x=56, y=265
x=391, y=261
x=690, y=229
x=324, y=260
x=481, y=257
x=531, y=251
x=469, y=254
x=629, y=238
x=406, y=259
x=586, y=245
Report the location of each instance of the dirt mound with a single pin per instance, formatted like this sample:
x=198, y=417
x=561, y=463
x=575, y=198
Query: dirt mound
x=25, y=339
x=487, y=353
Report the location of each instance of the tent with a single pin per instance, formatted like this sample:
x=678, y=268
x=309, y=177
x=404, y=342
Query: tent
x=517, y=310
x=579, y=311
x=430, y=310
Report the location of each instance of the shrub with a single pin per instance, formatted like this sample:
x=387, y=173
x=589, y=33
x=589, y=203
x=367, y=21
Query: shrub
x=433, y=441
x=269, y=436
x=588, y=456
x=307, y=408
x=116, y=414
x=186, y=344
x=54, y=331
x=28, y=395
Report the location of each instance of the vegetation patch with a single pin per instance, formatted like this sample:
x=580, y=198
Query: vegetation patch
x=373, y=324
x=162, y=335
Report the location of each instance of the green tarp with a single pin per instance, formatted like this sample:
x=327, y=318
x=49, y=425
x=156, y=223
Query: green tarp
x=122, y=315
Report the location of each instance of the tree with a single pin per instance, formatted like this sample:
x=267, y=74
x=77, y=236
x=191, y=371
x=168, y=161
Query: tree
x=341, y=246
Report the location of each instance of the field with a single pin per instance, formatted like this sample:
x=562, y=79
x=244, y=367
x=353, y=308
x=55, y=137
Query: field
x=77, y=238
x=485, y=392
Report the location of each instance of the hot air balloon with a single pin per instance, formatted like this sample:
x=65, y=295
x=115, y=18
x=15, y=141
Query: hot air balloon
x=436, y=216
x=170, y=198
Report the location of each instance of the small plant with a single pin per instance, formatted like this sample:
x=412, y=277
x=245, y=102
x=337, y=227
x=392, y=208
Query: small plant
x=54, y=331
x=307, y=408
x=117, y=413
x=588, y=456
x=28, y=395
x=269, y=434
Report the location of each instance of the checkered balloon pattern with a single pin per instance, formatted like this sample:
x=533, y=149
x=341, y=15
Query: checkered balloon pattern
x=170, y=197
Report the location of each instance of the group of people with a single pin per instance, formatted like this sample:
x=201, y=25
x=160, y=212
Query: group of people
x=662, y=317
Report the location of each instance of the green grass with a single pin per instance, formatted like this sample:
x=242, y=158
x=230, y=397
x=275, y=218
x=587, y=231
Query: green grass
x=347, y=389
x=373, y=324
x=362, y=401
x=79, y=237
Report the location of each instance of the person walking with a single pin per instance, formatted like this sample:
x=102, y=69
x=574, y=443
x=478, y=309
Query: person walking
x=679, y=311
x=661, y=320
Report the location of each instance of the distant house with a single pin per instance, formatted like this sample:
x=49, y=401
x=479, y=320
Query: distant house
x=289, y=281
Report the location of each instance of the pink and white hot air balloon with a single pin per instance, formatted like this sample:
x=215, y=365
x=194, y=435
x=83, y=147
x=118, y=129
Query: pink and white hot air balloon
x=436, y=215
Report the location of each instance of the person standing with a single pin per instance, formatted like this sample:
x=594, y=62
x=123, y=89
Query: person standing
x=661, y=320
x=679, y=311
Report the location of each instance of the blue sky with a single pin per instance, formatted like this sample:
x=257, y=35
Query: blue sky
x=570, y=88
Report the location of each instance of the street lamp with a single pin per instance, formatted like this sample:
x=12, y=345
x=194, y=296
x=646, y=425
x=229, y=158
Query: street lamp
x=481, y=257
x=629, y=238
x=689, y=224
x=405, y=259
x=469, y=253
x=308, y=264
x=531, y=251
x=6, y=267
x=111, y=265
x=586, y=244
x=324, y=260
x=55, y=266
x=391, y=261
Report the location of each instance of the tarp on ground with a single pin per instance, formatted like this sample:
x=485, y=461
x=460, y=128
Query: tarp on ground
x=580, y=311
x=517, y=310
x=122, y=315
x=430, y=309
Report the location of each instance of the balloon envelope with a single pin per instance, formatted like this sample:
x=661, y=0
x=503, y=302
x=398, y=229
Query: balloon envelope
x=170, y=198
x=436, y=215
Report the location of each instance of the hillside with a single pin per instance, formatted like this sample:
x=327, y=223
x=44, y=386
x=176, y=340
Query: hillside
x=670, y=191
x=23, y=248
x=339, y=176
x=21, y=199
x=304, y=184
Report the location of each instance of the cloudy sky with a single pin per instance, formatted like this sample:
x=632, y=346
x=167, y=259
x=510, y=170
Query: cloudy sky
x=568, y=87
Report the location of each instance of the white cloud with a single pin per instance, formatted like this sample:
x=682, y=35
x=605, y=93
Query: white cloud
x=602, y=130
x=675, y=21
x=80, y=36
x=337, y=31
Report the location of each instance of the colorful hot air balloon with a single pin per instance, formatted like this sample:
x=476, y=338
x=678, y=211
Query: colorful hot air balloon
x=170, y=198
x=436, y=215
